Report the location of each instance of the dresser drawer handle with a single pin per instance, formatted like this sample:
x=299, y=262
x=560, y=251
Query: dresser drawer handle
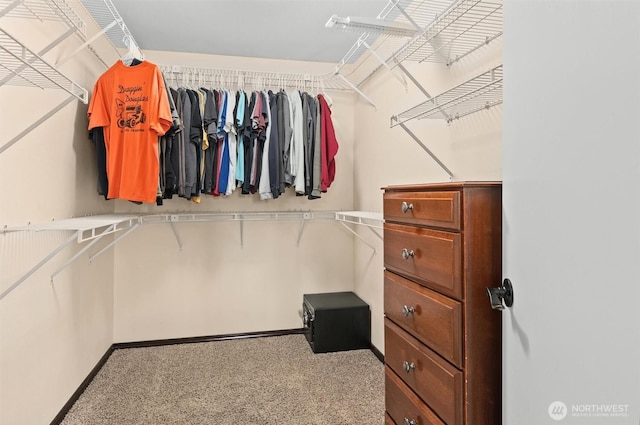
x=406, y=310
x=409, y=422
x=406, y=254
x=408, y=367
x=406, y=207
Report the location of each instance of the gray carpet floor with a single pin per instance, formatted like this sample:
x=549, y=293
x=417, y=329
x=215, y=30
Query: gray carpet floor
x=261, y=381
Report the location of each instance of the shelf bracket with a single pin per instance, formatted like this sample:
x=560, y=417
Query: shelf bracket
x=42, y=52
x=109, y=230
x=41, y=263
x=36, y=124
x=431, y=154
x=375, y=233
x=357, y=235
x=241, y=233
x=396, y=5
x=385, y=64
x=356, y=89
x=113, y=242
x=176, y=234
x=422, y=89
x=87, y=43
x=300, y=230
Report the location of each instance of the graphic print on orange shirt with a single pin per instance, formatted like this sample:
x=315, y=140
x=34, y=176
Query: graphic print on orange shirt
x=129, y=116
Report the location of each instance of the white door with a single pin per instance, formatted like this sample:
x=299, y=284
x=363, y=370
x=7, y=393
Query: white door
x=571, y=215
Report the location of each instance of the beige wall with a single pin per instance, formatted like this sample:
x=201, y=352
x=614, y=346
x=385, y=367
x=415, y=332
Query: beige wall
x=470, y=147
x=215, y=286
x=51, y=335
x=147, y=287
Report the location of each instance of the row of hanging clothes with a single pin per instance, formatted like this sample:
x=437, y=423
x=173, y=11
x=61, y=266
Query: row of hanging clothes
x=260, y=142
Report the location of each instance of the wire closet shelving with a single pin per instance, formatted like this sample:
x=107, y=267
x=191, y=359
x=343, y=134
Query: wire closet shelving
x=20, y=66
x=476, y=94
x=445, y=32
x=92, y=229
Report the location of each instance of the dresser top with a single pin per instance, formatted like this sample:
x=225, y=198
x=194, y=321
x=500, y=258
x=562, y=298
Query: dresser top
x=443, y=186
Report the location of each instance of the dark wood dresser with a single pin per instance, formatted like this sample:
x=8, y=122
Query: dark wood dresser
x=442, y=249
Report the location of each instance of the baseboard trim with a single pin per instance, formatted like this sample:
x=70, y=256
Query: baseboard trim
x=160, y=342
x=83, y=386
x=197, y=339
x=154, y=343
x=377, y=353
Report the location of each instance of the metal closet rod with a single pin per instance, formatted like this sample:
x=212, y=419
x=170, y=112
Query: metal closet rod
x=175, y=74
x=195, y=75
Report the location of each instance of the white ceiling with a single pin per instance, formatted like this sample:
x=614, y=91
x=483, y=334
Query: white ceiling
x=277, y=29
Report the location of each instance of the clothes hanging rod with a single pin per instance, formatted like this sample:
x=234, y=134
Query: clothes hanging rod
x=236, y=78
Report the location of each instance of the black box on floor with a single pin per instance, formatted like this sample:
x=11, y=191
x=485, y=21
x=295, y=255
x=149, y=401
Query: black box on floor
x=336, y=321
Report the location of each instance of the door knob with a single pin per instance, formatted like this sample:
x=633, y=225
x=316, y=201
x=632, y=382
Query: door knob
x=500, y=294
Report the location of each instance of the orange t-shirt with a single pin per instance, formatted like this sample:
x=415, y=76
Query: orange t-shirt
x=131, y=103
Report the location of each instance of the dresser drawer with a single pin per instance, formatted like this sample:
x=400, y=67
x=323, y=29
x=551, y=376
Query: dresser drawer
x=432, y=318
x=438, y=209
x=404, y=406
x=430, y=257
x=434, y=380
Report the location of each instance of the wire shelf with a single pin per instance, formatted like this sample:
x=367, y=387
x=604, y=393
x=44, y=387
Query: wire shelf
x=234, y=78
x=21, y=66
x=366, y=218
x=106, y=16
x=465, y=27
x=478, y=93
x=49, y=10
x=375, y=47
x=448, y=31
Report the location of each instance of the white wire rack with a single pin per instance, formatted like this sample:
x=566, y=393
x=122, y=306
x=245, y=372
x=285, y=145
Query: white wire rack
x=365, y=218
x=478, y=93
x=20, y=66
x=465, y=27
x=92, y=229
x=52, y=10
x=106, y=16
x=234, y=78
x=236, y=216
x=376, y=46
x=87, y=226
x=448, y=31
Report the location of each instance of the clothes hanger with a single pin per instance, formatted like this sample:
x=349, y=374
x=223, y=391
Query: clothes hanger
x=324, y=93
x=134, y=56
